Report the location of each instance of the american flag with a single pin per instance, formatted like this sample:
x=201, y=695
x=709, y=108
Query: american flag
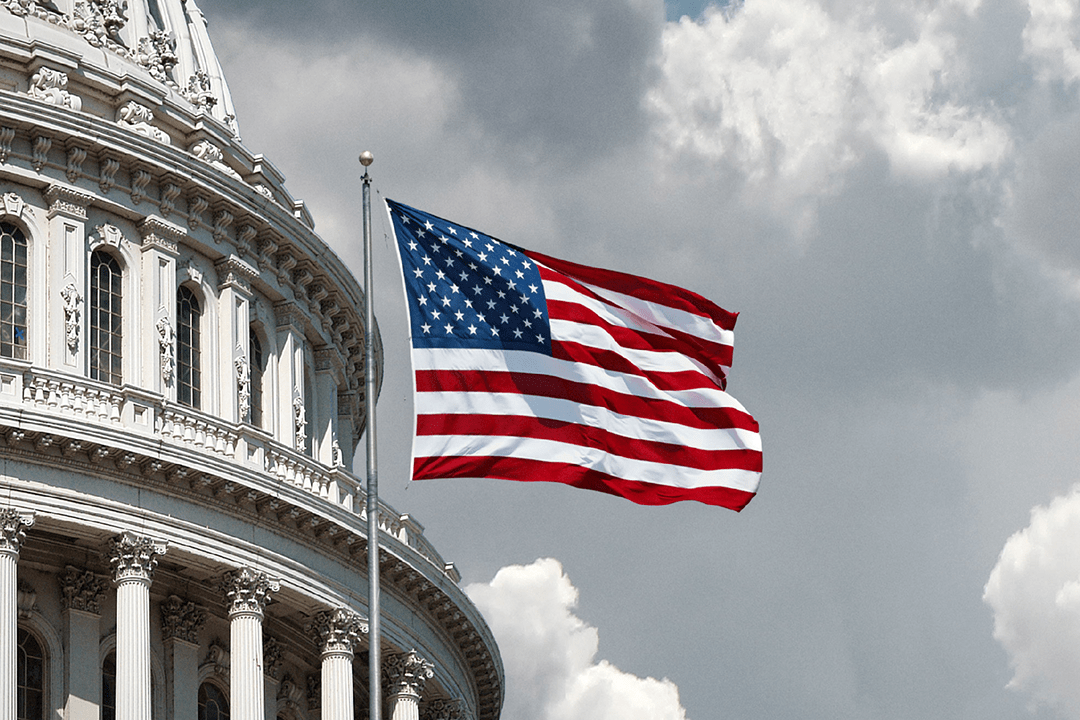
x=536, y=369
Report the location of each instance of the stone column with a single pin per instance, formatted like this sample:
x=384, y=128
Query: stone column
x=405, y=675
x=133, y=558
x=247, y=591
x=181, y=621
x=337, y=630
x=81, y=593
x=234, y=327
x=13, y=526
x=157, y=306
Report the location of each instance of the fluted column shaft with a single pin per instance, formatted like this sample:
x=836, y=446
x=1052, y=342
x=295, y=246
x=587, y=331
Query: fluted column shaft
x=406, y=674
x=248, y=591
x=13, y=526
x=404, y=705
x=133, y=559
x=338, y=629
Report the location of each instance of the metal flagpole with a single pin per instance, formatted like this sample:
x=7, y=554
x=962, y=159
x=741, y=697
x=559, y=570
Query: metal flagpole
x=374, y=651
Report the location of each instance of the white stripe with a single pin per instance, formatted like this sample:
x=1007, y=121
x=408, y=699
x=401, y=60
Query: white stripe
x=660, y=315
x=519, y=361
x=625, y=317
x=648, y=360
x=628, y=426
x=592, y=458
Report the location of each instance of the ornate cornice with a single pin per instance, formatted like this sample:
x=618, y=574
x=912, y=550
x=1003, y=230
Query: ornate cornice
x=181, y=619
x=157, y=233
x=134, y=557
x=406, y=673
x=338, y=630
x=234, y=272
x=81, y=590
x=13, y=525
x=67, y=201
x=248, y=590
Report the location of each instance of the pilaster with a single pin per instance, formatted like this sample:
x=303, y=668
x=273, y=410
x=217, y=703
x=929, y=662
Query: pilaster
x=293, y=422
x=157, y=313
x=181, y=621
x=67, y=276
x=81, y=593
x=234, y=300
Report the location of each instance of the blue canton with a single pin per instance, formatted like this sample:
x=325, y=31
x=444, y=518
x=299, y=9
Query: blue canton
x=466, y=289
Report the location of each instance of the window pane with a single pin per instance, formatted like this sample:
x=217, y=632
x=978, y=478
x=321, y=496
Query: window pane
x=106, y=320
x=188, y=318
x=12, y=291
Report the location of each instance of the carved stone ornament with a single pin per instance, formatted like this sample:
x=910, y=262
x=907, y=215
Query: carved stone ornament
x=300, y=421
x=106, y=234
x=157, y=53
x=207, y=152
x=289, y=693
x=81, y=590
x=338, y=629
x=134, y=557
x=314, y=691
x=243, y=388
x=217, y=657
x=137, y=118
x=72, y=315
x=167, y=345
x=443, y=709
x=13, y=204
x=273, y=656
x=181, y=619
x=65, y=201
x=50, y=86
x=197, y=91
x=7, y=135
x=25, y=599
x=248, y=590
x=406, y=673
x=13, y=525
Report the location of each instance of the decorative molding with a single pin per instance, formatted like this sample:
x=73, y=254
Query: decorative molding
x=169, y=192
x=218, y=658
x=314, y=691
x=232, y=271
x=222, y=220
x=243, y=388
x=273, y=657
x=289, y=693
x=100, y=21
x=108, y=168
x=248, y=590
x=25, y=599
x=13, y=526
x=137, y=118
x=245, y=234
x=13, y=204
x=81, y=590
x=405, y=673
x=181, y=619
x=299, y=420
x=64, y=200
x=196, y=207
x=50, y=86
x=72, y=315
x=337, y=630
x=140, y=178
x=167, y=348
x=206, y=151
x=7, y=135
x=443, y=709
x=134, y=556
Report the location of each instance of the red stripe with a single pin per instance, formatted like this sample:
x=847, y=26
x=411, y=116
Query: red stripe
x=508, y=468
x=642, y=288
x=715, y=356
x=590, y=437
x=476, y=381
x=614, y=362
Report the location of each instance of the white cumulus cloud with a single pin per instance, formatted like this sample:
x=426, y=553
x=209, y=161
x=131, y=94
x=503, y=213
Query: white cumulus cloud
x=1034, y=591
x=550, y=654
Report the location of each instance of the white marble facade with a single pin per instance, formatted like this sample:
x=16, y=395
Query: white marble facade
x=181, y=394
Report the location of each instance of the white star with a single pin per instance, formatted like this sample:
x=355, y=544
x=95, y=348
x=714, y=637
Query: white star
x=472, y=266
x=491, y=304
x=472, y=329
x=431, y=287
x=487, y=280
x=525, y=264
x=453, y=288
x=496, y=270
x=501, y=294
x=426, y=328
x=418, y=273
x=446, y=302
x=429, y=226
x=520, y=275
x=468, y=303
x=441, y=275
x=480, y=317
x=517, y=333
x=483, y=257
x=467, y=242
x=495, y=331
x=444, y=239
x=459, y=315
x=490, y=247
x=449, y=328
x=511, y=251
x=449, y=262
x=476, y=290
x=533, y=289
x=513, y=285
x=504, y=318
x=412, y=245
x=538, y=313
x=452, y=231
x=527, y=323
x=435, y=314
x=474, y=236
x=505, y=261
x=464, y=276
x=458, y=253
x=404, y=219
x=427, y=260
x=524, y=299
x=539, y=338
x=422, y=300
x=513, y=308
x=420, y=233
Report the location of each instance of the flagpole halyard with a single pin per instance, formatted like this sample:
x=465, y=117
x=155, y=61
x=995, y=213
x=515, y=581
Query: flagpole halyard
x=374, y=650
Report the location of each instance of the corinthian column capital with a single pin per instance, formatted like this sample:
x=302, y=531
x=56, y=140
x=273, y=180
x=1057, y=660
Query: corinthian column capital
x=13, y=525
x=134, y=557
x=338, y=629
x=248, y=591
x=406, y=673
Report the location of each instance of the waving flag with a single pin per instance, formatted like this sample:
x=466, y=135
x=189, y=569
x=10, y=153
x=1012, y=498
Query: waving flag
x=536, y=369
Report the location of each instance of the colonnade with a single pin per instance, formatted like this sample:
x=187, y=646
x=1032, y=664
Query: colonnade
x=133, y=559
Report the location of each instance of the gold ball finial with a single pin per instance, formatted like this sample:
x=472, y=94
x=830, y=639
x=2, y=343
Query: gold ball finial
x=366, y=158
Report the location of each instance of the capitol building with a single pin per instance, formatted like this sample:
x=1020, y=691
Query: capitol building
x=181, y=397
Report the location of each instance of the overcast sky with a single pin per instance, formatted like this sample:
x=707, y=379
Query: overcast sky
x=888, y=191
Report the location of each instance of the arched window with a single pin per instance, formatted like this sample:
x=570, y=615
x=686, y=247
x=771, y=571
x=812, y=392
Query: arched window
x=258, y=366
x=188, y=375
x=30, y=678
x=108, y=687
x=12, y=292
x=213, y=705
x=106, y=334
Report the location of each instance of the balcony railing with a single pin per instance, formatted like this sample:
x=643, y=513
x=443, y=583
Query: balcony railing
x=135, y=412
